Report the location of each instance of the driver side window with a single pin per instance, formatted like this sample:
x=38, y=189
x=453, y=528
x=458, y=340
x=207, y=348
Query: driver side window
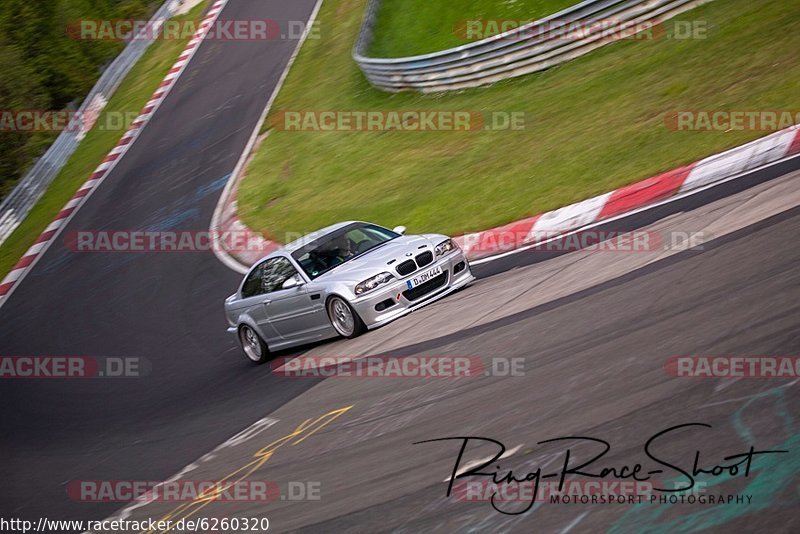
x=268, y=277
x=276, y=272
x=252, y=286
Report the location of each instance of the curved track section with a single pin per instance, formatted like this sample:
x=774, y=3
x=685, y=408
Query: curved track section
x=162, y=307
x=594, y=330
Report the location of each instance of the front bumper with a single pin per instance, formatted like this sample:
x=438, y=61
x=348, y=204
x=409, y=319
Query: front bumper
x=374, y=308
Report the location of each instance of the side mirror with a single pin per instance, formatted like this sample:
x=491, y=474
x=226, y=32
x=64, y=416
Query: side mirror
x=399, y=230
x=294, y=281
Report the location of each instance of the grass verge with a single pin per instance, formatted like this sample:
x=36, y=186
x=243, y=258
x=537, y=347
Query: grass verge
x=130, y=97
x=410, y=27
x=598, y=124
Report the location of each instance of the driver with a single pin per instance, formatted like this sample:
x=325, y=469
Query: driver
x=344, y=248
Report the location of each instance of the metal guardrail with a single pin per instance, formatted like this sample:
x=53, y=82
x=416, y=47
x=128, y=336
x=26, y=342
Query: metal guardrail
x=16, y=206
x=523, y=50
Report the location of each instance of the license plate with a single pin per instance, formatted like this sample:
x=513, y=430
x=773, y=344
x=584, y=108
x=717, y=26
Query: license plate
x=424, y=277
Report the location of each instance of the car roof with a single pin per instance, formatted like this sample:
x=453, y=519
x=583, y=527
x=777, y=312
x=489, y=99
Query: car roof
x=287, y=249
x=313, y=236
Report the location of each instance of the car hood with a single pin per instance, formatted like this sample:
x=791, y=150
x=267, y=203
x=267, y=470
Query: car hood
x=377, y=261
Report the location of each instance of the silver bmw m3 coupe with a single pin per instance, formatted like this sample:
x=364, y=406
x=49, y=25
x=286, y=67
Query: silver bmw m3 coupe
x=340, y=281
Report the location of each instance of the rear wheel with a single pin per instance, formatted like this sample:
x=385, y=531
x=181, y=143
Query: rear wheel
x=344, y=319
x=254, y=347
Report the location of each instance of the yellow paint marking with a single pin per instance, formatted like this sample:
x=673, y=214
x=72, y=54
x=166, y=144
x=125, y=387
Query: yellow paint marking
x=304, y=430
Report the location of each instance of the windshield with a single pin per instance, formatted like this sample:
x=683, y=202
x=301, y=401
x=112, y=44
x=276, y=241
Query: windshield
x=323, y=254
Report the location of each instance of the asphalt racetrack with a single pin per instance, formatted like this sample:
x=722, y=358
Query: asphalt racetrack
x=163, y=307
x=594, y=331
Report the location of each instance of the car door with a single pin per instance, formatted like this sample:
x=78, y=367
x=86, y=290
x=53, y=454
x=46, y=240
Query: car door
x=291, y=312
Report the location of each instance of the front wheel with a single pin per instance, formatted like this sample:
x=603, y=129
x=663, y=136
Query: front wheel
x=254, y=347
x=344, y=319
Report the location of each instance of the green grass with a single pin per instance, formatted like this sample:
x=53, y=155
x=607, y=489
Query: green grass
x=409, y=27
x=598, y=123
x=133, y=93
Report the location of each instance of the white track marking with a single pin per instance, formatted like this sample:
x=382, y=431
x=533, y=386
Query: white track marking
x=216, y=221
x=245, y=435
x=106, y=167
x=739, y=159
x=574, y=523
x=633, y=212
x=569, y=217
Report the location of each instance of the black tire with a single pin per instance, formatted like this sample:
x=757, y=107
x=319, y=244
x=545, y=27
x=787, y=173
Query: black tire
x=344, y=318
x=255, y=350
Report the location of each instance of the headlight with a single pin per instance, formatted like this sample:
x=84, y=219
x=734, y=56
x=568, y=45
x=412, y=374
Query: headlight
x=371, y=283
x=445, y=247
